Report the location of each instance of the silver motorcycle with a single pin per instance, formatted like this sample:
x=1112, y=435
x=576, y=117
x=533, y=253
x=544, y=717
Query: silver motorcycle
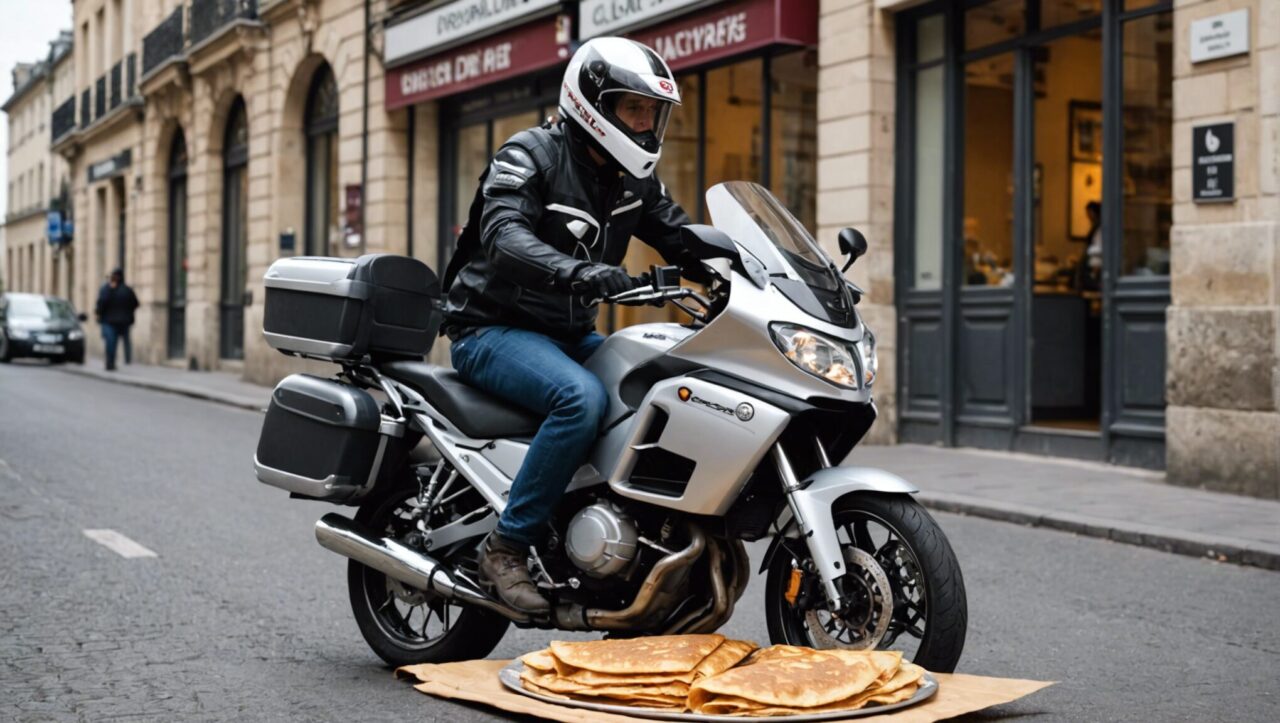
x=728, y=429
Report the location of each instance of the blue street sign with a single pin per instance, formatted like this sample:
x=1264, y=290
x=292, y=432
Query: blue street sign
x=54, y=219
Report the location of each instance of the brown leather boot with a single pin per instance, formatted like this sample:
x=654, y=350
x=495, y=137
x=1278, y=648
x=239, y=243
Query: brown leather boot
x=504, y=567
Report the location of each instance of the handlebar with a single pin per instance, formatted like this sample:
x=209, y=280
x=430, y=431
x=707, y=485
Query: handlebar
x=647, y=295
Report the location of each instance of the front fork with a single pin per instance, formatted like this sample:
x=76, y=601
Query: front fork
x=815, y=525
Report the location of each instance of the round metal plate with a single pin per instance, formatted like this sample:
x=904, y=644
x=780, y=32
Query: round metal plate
x=510, y=677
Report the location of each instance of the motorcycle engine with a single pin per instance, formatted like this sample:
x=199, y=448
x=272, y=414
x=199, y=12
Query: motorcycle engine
x=601, y=540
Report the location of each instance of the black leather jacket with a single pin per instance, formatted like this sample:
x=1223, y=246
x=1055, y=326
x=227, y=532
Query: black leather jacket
x=548, y=209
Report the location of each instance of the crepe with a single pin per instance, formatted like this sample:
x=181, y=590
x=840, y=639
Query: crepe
x=711, y=675
x=650, y=672
x=661, y=654
x=794, y=681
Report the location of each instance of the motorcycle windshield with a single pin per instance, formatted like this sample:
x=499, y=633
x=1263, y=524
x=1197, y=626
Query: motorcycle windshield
x=792, y=259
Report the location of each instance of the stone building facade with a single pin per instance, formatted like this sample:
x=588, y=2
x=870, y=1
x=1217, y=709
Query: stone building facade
x=37, y=177
x=1044, y=274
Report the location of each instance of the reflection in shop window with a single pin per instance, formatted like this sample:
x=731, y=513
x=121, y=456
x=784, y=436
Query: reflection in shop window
x=678, y=168
x=473, y=157
x=1148, y=144
x=1064, y=12
x=994, y=22
x=793, y=144
x=734, y=116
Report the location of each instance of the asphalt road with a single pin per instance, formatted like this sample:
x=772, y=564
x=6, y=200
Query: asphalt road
x=241, y=616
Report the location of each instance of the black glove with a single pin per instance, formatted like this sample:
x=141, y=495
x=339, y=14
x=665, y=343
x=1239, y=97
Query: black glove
x=601, y=281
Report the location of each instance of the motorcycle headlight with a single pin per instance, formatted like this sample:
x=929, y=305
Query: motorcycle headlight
x=867, y=350
x=75, y=335
x=19, y=333
x=819, y=355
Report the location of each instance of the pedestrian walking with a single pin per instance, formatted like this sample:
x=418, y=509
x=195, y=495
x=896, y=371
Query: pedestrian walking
x=114, y=311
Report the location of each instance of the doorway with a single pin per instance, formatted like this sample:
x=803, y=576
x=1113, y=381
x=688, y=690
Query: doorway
x=1015, y=215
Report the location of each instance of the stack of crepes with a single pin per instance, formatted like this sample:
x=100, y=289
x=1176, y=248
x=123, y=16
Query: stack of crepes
x=654, y=672
x=711, y=675
x=789, y=680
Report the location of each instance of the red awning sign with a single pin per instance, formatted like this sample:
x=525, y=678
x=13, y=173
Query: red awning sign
x=731, y=29
x=523, y=50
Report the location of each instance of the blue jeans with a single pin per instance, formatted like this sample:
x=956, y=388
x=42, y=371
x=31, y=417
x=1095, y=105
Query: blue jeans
x=546, y=377
x=111, y=334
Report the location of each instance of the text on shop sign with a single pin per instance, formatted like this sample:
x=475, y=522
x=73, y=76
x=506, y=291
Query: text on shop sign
x=599, y=17
x=722, y=33
x=459, y=69
x=449, y=24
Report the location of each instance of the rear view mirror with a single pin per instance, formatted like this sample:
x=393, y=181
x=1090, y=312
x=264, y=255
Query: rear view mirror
x=852, y=244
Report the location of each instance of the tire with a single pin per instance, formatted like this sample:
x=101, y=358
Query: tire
x=473, y=633
x=5, y=352
x=931, y=565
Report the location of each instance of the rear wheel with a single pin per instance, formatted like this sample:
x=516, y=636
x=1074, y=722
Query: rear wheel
x=407, y=626
x=903, y=591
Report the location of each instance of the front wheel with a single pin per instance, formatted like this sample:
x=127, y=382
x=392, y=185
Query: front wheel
x=903, y=591
x=406, y=626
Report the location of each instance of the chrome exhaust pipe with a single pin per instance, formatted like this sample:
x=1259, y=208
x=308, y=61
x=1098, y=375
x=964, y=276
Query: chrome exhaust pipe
x=402, y=563
x=651, y=590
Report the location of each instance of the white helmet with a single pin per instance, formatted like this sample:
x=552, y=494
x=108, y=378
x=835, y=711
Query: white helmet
x=598, y=76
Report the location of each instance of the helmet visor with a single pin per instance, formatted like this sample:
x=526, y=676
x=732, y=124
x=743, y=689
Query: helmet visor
x=642, y=117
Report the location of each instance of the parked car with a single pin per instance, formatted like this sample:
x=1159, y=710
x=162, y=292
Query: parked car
x=35, y=325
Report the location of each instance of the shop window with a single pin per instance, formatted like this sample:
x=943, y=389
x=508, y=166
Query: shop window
x=678, y=168
x=1139, y=4
x=793, y=143
x=930, y=99
x=1148, y=144
x=994, y=22
x=323, y=223
x=734, y=141
x=931, y=38
x=473, y=157
x=1067, y=194
x=1065, y=12
x=506, y=126
x=988, y=172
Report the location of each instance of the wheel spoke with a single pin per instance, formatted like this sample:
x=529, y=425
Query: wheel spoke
x=862, y=536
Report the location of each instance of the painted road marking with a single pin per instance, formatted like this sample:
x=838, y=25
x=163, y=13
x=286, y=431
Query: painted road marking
x=118, y=543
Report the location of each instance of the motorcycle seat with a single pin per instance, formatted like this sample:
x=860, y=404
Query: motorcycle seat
x=479, y=415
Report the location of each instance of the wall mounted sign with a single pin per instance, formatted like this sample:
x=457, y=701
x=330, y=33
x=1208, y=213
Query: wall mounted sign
x=538, y=45
x=1213, y=163
x=112, y=166
x=608, y=17
x=733, y=28
x=1220, y=36
x=450, y=24
x=53, y=219
x=354, y=230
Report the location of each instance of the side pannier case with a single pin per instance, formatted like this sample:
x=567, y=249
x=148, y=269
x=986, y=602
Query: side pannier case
x=322, y=439
x=379, y=305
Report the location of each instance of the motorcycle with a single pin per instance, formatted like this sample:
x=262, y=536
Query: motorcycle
x=720, y=431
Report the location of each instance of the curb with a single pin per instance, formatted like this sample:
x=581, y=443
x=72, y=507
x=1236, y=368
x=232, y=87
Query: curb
x=1214, y=547
x=193, y=392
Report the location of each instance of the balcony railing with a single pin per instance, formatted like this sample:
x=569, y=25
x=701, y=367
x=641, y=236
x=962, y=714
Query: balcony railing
x=115, y=84
x=86, y=110
x=207, y=16
x=64, y=118
x=164, y=42
x=100, y=98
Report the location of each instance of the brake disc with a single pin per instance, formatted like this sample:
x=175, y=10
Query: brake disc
x=867, y=611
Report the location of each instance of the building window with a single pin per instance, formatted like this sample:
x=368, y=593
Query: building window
x=177, y=232
x=1148, y=144
x=235, y=197
x=323, y=227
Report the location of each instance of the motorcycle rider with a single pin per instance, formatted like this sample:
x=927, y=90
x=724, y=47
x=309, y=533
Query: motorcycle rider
x=548, y=230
